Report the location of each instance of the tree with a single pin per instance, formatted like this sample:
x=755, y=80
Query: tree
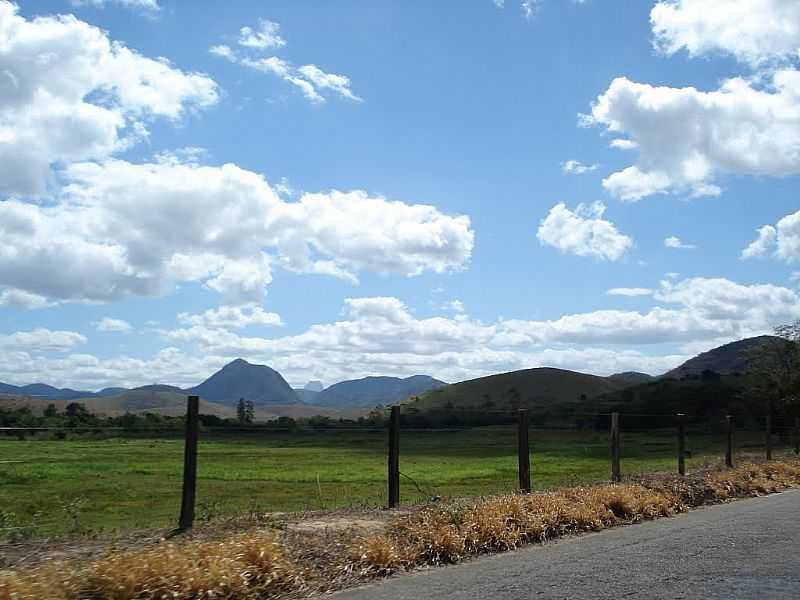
x=51, y=411
x=241, y=411
x=775, y=368
x=249, y=412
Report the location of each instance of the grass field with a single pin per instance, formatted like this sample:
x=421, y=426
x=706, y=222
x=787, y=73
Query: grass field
x=54, y=487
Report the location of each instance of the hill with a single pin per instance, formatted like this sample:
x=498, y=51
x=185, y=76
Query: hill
x=42, y=390
x=631, y=377
x=306, y=396
x=539, y=389
x=376, y=391
x=726, y=360
x=240, y=379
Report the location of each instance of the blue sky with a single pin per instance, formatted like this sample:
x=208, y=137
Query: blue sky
x=408, y=187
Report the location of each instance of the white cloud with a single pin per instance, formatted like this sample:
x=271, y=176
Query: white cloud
x=686, y=137
x=223, y=51
x=754, y=31
x=109, y=324
x=583, y=232
x=576, y=167
x=41, y=340
x=22, y=299
x=529, y=8
x=328, y=81
x=67, y=93
x=232, y=317
x=147, y=5
x=111, y=233
x=262, y=37
x=382, y=335
x=782, y=240
x=630, y=292
x=676, y=242
x=309, y=79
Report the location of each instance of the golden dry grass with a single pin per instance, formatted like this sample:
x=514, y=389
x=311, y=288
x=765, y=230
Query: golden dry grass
x=258, y=565
x=243, y=567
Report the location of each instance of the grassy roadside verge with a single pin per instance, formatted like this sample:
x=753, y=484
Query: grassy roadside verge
x=271, y=563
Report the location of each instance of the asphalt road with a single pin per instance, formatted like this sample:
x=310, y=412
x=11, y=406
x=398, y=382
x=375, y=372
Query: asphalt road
x=747, y=549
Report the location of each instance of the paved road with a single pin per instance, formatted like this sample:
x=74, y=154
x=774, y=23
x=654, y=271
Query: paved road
x=748, y=549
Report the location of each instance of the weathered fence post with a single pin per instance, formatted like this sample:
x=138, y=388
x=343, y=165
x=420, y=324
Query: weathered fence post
x=797, y=435
x=524, y=452
x=768, y=436
x=186, y=519
x=394, y=457
x=681, y=444
x=729, y=442
x=615, y=470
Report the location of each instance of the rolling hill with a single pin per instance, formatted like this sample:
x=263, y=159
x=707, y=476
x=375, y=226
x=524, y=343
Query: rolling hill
x=376, y=391
x=537, y=389
x=240, y=379
x=726, y=360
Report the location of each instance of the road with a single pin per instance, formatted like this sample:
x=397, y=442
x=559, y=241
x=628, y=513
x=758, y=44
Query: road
x=747, y=549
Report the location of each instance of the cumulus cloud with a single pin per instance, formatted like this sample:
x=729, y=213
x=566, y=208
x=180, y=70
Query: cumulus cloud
x=146, y=5
x=382, y=335
x=630, y=292
x=753, y=31
x=583, y=232
x=108, y=324
x=68, y=93
x=676, y=242
x=112, y=233
x=41, y=340
x=264, y=36
x=686, y=137
x=311, y=80
x=781, y=241
x=232, y=317
x=576, y=167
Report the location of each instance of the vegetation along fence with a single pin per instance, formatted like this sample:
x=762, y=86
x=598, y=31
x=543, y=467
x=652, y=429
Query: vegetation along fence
x=55, y=480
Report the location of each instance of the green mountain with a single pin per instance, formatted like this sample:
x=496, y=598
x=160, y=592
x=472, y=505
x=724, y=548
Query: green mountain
x=539, y=389
x=240, y=379
x=376, y=391
x=726, y=360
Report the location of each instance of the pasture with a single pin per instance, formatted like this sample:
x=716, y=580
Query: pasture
x=56, y=487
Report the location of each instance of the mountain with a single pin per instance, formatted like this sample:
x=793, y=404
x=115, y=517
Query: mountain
x=314, y=386
x=726, y=360
x=240, y=379
x=306, y=396
x=110, y=391
x=42, y=390
x=375, y=391
x=631, y=377
x=537, y=389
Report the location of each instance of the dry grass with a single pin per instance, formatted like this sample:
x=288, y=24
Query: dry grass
x=243, y=567
x=279, y=564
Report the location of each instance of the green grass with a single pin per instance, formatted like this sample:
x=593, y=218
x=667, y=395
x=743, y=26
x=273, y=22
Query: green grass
x=73, y=486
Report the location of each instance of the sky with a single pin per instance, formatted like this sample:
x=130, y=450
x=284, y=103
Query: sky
x=340, y=189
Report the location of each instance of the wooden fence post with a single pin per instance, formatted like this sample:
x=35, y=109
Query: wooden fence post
x=524, y=452
x=681, y=444
x=615, y=451
x=797, y=435
x=729, y=442
x=768, y=436
x=186, y=519
x=394, y=457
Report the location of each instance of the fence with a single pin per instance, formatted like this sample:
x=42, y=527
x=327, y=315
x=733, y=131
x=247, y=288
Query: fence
x=608, y=445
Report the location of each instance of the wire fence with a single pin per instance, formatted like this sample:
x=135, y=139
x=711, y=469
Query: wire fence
x=56, y=482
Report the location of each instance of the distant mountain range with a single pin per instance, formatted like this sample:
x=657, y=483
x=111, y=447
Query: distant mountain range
x=376, y=391
x=260, y=384
x=272, y=395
